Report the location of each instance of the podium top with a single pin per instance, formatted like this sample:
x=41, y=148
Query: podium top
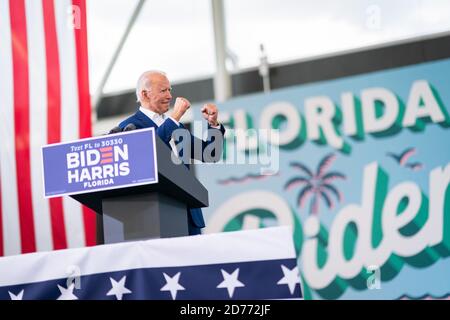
x=134, y=162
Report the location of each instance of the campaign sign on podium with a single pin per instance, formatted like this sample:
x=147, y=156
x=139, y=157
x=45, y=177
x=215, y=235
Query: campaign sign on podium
x=101, y=163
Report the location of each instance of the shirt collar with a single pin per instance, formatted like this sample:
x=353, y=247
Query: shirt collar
x=149, y=113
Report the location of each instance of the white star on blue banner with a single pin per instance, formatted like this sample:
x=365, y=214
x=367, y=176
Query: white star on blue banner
x=255, y=264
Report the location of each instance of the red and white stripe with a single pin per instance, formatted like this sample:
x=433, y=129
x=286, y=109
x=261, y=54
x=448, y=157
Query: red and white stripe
x=44, y=98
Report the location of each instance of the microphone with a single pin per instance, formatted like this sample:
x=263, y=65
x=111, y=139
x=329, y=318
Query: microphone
x=129, y=127
x=115, y=130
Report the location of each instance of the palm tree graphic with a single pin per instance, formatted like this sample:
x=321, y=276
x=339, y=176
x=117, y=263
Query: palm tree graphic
x=317, y=186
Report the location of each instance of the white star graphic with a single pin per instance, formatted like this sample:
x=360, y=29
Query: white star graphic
x=172, y=285
x=18, y=296
x=291, y=278
x=230, y=281
x=118, y=288
x=67, y=294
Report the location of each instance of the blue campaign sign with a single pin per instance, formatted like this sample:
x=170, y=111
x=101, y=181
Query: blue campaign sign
x=101, y=163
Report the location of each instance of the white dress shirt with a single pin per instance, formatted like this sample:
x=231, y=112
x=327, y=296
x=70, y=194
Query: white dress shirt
x=157, y=118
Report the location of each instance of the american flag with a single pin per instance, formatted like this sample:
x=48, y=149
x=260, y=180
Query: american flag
x=44, y=98
x=252, y=264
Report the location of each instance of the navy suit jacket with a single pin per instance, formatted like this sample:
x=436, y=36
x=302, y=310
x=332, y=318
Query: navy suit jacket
x=164, y=131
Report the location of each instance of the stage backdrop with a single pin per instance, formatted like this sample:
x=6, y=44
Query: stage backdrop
x=362, y=174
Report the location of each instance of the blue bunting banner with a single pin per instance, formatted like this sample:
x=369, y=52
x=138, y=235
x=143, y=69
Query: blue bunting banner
x=256, y=264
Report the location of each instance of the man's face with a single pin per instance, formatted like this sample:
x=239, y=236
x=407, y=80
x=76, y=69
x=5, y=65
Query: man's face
x=159, y=95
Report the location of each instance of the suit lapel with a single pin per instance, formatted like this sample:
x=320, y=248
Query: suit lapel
x=146, y=121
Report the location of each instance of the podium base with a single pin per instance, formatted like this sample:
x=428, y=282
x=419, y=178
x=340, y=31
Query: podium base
x=141, y=217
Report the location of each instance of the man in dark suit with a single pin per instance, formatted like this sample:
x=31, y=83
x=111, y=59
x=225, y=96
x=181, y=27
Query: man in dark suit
x=153, y=91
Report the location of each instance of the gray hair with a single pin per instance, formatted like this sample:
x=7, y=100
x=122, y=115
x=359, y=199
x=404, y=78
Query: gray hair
x=145, y=83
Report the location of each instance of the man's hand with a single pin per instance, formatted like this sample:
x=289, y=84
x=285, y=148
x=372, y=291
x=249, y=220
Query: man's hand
x=210, y=113
x=180, y=107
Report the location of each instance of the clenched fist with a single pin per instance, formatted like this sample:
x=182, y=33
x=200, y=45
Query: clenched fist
x=180, y=107
x=210, y=113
